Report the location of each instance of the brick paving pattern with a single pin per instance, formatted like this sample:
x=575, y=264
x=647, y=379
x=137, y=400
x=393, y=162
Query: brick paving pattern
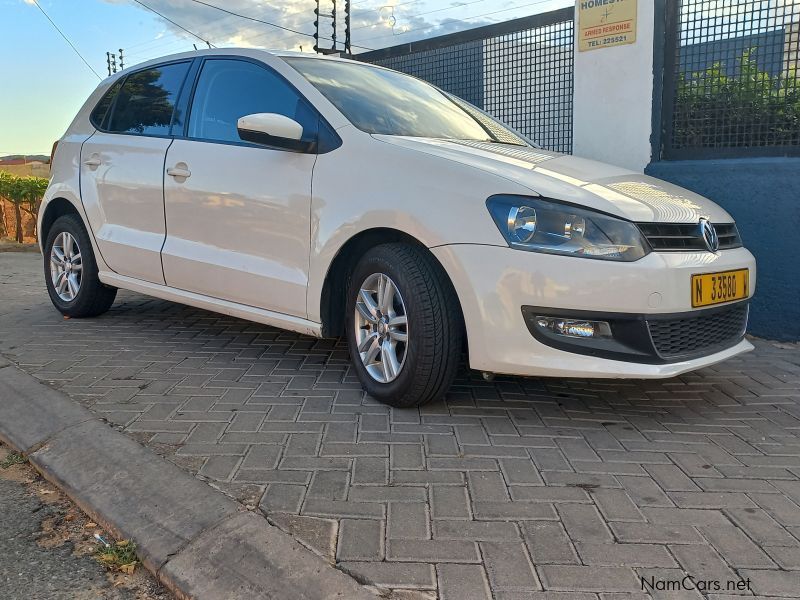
x=518, y=488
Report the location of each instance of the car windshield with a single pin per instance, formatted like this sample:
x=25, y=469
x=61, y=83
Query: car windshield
x=386, y=102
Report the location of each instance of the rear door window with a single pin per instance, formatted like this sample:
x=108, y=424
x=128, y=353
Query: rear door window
x=146, y=103
x=230, y=89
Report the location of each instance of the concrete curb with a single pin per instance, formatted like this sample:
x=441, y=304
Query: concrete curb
x=197, y=541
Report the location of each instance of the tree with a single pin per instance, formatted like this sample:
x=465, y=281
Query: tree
x=5, y=183
x=25, y=194
x=143, y=102
x=32, y=194
x=15, y=194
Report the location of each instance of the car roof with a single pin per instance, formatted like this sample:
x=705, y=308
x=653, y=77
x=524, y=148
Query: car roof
x=251, y=52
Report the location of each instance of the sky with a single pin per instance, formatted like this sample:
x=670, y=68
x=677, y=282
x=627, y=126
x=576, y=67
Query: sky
x=45, y=82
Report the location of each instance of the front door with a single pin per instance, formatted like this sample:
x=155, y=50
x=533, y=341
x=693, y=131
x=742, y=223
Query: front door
x=122, y=170
x=238, y=215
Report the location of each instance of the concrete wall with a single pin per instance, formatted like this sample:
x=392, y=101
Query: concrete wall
x=763, y=195
x=614, y=98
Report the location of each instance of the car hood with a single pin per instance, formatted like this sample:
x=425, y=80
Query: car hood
x=568, y=178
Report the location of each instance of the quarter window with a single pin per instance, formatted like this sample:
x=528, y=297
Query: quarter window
x=146, y=102
x=100, y=111
x=230, y=89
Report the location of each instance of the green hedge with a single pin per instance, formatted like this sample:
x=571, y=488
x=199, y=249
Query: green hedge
x=25, y=195
x=750, y=108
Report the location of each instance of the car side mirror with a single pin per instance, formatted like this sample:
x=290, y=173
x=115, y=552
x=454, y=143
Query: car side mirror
x=275, y=131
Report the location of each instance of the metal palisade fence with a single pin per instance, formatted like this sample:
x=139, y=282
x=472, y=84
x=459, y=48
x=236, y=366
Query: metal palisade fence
x=519, y=71
x=731, y=80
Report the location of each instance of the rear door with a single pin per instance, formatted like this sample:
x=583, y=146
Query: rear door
x=238, y=214
x=122, y=169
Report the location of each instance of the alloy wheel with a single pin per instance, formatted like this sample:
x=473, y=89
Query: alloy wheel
x=66, y=266
x=381, y=324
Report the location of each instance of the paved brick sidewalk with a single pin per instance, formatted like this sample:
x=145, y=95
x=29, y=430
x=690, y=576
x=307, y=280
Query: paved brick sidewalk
x=506, y=489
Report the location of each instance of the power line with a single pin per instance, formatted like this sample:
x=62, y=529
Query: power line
x=235, y=14
x=210, y=45
x=161, y=38
x=462, y=20
x=231, y=13
x=167, y=38
x=461, y=5
x=415, y=15
x=151, y=47
x=66, y=39
x=163, y=46
x=263, y=22
x=399, y=4
x=173, y=45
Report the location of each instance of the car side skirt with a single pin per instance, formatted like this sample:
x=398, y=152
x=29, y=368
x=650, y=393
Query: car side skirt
x=241, y=311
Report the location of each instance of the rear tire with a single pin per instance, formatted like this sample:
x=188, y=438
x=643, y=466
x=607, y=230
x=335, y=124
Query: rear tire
x=406, y=343
x=70, y=271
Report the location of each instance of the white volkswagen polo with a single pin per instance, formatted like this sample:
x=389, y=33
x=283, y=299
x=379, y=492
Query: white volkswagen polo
x=336, y=198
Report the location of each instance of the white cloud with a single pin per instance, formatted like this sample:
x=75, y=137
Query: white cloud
x=373, y=25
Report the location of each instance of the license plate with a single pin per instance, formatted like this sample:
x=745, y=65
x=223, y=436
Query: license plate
x=717, y=288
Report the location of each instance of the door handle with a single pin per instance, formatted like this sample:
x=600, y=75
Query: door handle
x=179, y=170
x=93, y=161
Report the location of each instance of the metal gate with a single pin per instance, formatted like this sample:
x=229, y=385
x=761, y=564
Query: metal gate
x=519, y=71
x=731, y=79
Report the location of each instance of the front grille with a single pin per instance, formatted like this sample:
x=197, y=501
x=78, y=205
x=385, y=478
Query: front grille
x=728, y=236
x=666, y=237
x=698, y=334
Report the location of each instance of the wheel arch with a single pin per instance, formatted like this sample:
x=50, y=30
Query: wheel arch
x=55, y=208
x=333, y=298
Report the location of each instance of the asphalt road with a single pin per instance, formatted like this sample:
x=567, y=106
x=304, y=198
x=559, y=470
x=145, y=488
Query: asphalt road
x=47, y=545
x=29, y=571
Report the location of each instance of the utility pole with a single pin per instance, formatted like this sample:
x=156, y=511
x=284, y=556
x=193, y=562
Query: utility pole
x=333, y=26
x=316, y=28
x=111, y=61
x=320, y=15
x=347, y=48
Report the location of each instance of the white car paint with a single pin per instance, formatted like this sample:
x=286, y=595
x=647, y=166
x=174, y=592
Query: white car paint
x=129, y=227
x=276, y=125
x=254, y=244
x=493, y=282
x=252, y=232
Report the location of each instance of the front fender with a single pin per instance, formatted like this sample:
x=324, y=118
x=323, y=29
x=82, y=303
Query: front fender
x=369, y=184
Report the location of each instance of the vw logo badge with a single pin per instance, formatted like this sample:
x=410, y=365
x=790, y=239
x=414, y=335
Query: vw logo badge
x=709, y=235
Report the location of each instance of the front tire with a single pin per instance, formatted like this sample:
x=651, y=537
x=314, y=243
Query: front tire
x=404, y=328
x=70, y=271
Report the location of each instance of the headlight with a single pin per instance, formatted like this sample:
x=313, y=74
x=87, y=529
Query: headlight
x=545, y=226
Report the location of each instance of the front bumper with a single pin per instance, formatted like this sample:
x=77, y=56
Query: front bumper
x=495, y=283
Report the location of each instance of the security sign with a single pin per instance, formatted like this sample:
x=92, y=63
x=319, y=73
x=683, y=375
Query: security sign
x=605, y=23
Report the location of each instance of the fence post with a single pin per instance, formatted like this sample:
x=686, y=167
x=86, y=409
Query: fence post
x=664, y=55
x=613, y=105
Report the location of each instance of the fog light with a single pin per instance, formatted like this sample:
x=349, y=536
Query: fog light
x=575, y=328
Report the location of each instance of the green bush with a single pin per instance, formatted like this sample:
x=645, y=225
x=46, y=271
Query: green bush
x=750, y=108
x=25, y=195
